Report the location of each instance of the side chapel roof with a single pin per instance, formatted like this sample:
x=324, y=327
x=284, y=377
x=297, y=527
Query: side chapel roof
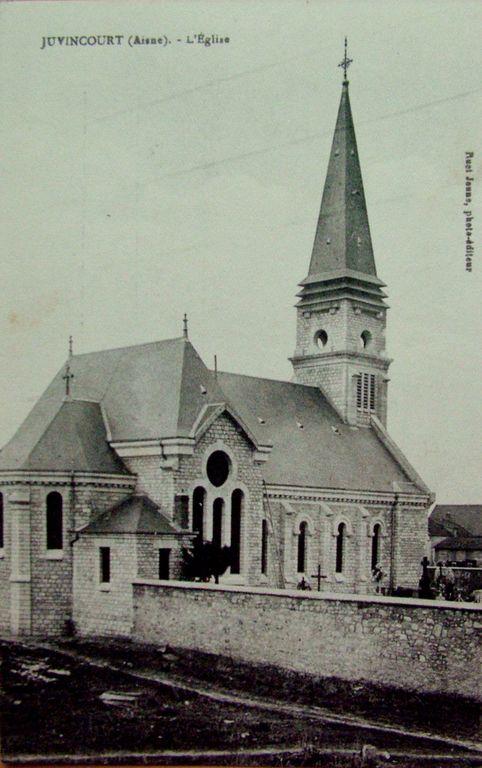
x=136, y=514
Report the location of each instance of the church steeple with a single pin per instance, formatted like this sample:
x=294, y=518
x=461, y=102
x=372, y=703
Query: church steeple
x=341, y=312
x=342, y=239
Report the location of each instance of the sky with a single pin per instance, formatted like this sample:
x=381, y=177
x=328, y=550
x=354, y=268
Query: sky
x=139, y=183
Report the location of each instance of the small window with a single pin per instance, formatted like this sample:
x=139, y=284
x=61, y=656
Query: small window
x=321, y=339
x=301, y=568
x=164, y=557
x=376, y=545
x=365, y=339
x=340, y=548
x=2, y=540
x=365, y=392
x=104, y=553
x=264, y=547
x=55, y=536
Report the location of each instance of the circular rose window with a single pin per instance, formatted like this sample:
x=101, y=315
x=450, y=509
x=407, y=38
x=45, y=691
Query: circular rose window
x=218, y=468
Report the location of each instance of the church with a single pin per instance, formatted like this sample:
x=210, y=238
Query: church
x=132, y=453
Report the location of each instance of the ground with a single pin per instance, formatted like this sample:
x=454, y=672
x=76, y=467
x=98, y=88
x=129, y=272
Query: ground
x=111, y=698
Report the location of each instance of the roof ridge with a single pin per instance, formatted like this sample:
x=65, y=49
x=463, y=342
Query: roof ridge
x=267, y=378
x=128, y=347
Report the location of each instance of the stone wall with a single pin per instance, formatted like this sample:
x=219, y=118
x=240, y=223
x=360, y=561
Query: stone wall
x=107, y=609
x=35, y=583
x=5, y=567
x=104, y=609
x=411, y=644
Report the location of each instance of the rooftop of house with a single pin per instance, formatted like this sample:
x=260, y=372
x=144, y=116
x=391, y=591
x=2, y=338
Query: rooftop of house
x=456, y=520
x=460, y=543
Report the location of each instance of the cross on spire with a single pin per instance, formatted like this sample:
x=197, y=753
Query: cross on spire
x=71, y=346
x=184, y=326
x=345, y=63
x=67, y=377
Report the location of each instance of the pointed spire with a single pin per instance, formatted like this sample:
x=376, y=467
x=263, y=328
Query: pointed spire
x=342, y=239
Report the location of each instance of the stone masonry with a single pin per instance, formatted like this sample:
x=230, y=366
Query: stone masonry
x=411, y=644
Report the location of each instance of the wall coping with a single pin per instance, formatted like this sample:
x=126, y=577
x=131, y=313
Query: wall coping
x=307, y=595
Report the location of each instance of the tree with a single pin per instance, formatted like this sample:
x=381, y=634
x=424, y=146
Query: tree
x=205, y=559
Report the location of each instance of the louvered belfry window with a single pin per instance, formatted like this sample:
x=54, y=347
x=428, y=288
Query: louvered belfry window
x=365, y=392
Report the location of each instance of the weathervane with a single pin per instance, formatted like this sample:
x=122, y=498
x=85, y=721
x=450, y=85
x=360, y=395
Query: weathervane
x=184, y=326
x=346, y=61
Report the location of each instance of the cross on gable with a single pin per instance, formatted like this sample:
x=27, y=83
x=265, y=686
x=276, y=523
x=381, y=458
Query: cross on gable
x=67, y=377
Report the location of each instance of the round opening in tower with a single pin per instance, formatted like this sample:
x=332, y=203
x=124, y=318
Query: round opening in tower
x=218, y=468
x=321, y=339
x=365, y=339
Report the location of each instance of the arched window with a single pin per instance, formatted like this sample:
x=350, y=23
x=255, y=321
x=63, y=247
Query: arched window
x=198, y=502
x=264, y=547
x=218, y=507
x=365, y=339
x=236, y=510
x=55, y=536
x=2, y=538
x=340, y=547
x=376, y=545
x=302, y=548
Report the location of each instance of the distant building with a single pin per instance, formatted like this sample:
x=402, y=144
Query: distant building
x=455, y=533
x=131, y=453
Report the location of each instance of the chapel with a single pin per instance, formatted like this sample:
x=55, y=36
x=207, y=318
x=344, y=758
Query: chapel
x=131, y=454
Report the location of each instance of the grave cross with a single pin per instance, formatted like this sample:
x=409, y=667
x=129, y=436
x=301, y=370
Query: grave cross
x=67, y=377
x=318, y=576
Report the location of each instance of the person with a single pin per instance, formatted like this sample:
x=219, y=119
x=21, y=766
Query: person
x=377, y=577
x=303, y=584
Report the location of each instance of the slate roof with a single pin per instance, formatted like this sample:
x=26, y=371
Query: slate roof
x=342, y=263
x=456, y=543
x=137, y=514
x=146, y=391
x=71, y=438
x=459, y=519
x=325, y=452
x=342, y=239
x=159, y=390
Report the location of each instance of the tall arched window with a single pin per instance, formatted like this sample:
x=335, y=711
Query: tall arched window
x=376, y=545
x=236, y=510
x=55, y=536
x=340, y=547
x=264, y=547
x=198, y=503
x=2, y=537
x=302, y=548
x=218, y=507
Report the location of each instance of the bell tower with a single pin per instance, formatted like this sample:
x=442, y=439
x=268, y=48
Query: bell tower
x=341, y=314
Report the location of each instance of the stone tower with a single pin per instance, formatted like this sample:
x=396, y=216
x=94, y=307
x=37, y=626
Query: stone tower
x=341, y=315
